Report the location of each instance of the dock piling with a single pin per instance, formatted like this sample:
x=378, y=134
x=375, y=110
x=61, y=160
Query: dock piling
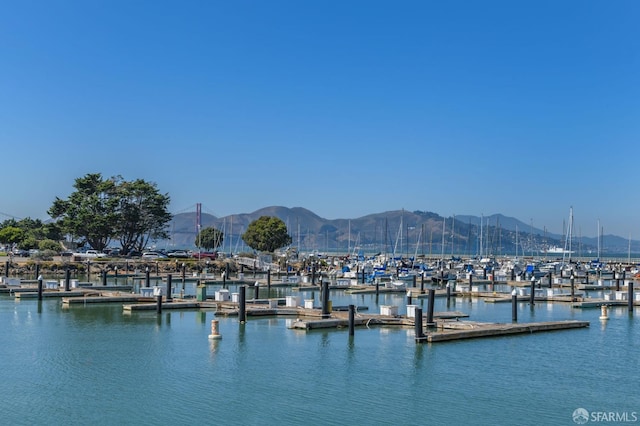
x=39, y=287
x=352, y=314
x=256, y=290
x=242, y=311
x=159, y=303
x=422, y=283
x=532, y=296
x=514, y=306
x=630, y=296
x=104, y=277
x=409, y=300
x=169, y=279
x=418, y=324
x=147, y=277
x=572, y=280
x=184, y=271
x=325, y=299
x=432, y=299
x=67, y=278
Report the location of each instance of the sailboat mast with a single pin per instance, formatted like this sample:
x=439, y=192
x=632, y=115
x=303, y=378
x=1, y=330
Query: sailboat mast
x=598, y=234
x=443, y=228
x=481, y=228
x=453, y=233
x=568, y=238
x=349, y=238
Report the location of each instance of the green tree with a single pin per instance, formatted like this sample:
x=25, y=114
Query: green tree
x=28, y=243
x=11, y=235
x=33, y=228
x=209, y=238
x=50, y=245
x=266, y=234
x=143, y=215
x=100, y=210
x=90, y=212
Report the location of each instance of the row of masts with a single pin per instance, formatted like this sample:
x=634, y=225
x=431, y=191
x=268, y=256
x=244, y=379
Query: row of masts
x=484, y=246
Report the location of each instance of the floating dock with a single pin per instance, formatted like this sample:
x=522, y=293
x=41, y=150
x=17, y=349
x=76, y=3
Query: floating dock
x=153, y=306
x=132, y=298
x=341, y=321
x=473, y=330
x=85, y=288
x=49, y=294
x=596, y=303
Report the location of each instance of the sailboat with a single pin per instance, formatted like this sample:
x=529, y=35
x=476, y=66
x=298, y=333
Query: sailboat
x=566, y=250
x=568, y=240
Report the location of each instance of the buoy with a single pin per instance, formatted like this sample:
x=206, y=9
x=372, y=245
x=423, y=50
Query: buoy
x=214, y=330
x=603, y=313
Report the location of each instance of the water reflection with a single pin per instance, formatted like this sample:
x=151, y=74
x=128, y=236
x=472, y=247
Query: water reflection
x=214, y=347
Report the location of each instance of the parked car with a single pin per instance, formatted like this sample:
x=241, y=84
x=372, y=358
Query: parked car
x=153, y=255
x=89, y=254
x=112, y=252
x=180, y=254
x=204, y=255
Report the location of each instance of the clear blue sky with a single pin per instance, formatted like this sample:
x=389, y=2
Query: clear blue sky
x=347, y=108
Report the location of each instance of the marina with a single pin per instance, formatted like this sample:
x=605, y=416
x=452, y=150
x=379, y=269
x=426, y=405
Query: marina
x=360, y=335
x=147, y=292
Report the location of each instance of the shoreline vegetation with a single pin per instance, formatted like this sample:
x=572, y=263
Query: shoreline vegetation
x=58, y=265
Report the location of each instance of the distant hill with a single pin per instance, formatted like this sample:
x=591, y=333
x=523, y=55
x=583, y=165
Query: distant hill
x=397, y=231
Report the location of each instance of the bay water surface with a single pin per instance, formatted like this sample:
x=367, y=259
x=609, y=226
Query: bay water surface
x=96, y=365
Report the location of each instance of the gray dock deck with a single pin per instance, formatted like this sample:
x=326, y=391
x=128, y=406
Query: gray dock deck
x=49, y=294
x=340, y=321
x=473, y=330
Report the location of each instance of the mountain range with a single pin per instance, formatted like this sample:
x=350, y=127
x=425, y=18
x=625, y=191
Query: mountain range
x=399, y=231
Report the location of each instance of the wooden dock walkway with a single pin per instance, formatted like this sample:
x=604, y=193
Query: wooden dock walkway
x=449, y=331
x=34, y=289
x=49, y=294
x=153, y=306
x=341, y=320
x=558, y=298
x=596, y=303
x=131, y=298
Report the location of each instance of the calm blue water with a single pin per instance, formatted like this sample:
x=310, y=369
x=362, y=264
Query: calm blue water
x=96, y=365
